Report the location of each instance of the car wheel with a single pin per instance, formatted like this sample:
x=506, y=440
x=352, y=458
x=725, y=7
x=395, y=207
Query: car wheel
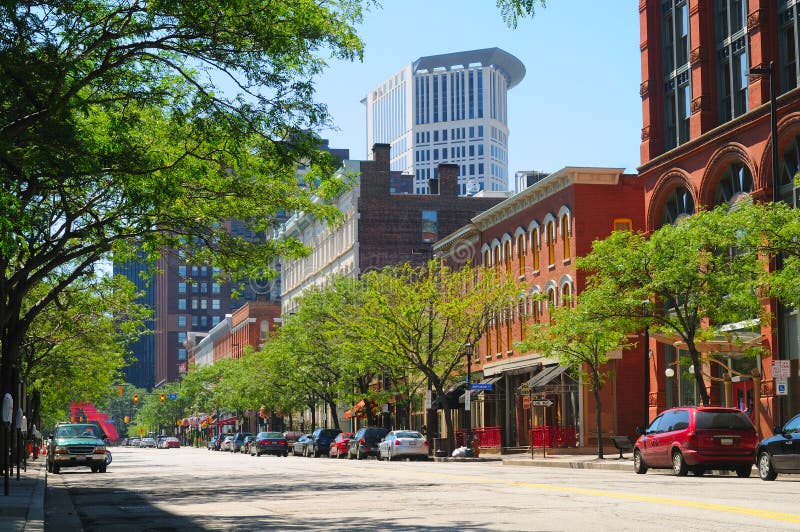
x=93, y=468
x=286, y=454
x=765, y=469
x=679, y=464
x=744, y=471
x=101, y=469
x=639, y=467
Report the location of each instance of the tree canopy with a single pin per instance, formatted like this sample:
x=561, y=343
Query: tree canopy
x=151, y=124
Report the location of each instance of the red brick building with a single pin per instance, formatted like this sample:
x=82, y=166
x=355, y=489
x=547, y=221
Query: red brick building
x=706, y=140
x=536, y=236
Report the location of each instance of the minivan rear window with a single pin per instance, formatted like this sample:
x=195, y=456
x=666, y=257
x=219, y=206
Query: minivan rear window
x=328, y=433
x=722, y=420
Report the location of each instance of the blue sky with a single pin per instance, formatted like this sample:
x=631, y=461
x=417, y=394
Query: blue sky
x=578, y=105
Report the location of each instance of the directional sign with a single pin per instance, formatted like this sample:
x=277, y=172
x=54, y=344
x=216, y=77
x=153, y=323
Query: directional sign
x=485, y=386
x=173, y=396
x=542, y=402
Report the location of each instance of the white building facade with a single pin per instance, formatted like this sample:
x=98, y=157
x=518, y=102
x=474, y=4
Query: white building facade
x=449, y=108
x=334, y=248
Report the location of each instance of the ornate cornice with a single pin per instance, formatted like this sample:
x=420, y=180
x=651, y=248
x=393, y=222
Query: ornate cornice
x=697, y=56
x=645, y=133
x=755, y=19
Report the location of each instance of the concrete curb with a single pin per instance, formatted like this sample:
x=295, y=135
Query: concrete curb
x=607, y=465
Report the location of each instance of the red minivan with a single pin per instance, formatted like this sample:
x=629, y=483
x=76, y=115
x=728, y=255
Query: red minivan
x=697, y=439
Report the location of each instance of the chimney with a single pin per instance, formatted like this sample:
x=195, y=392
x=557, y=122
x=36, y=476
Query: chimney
x=380, y=154
x=448, y=180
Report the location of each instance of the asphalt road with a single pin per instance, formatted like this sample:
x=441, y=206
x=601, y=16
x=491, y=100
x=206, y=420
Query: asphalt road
x=195, y=489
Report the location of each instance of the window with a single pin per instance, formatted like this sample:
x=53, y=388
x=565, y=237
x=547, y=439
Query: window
x=486, y=258
x=194, y=304
x=194, y=321
x=551, y=243
x=181, y=354
x=789, y=167
x=677, y=87
x=181, y=288
x=788, y=21
x=565, y=233
x=181, y=321
x=181, y=304
x=181, y=337
x=566, y=294
x=430, y=229
x=204, y=304
x=679, y=204
x=215, y=320
x=182, y=271
x=521, y=254
x=535, y=250
x=623, y=224
x=736, y=181
x=194, y=271
x=203, y=288
x=215, y=304
x=536, y=309
x=551, y=301
x=507, y=254
x=733, y=63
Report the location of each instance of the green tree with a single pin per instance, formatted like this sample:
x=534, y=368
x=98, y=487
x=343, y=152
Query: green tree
x=515, y=10
x=116, y=136
x=426, y=316
x=73, y=350
x=581, y=342
x=699, y=273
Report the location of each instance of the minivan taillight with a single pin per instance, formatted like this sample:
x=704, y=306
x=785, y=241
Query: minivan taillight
x=691, y=441
x=362, y=441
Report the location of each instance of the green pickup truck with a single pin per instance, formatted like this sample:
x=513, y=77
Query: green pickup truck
x=76, y=445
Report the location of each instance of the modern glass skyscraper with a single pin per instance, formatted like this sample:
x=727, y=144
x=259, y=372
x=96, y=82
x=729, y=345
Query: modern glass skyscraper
x=449, y=108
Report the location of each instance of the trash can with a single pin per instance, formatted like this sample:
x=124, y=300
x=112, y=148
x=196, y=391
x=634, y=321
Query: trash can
x=441, y=447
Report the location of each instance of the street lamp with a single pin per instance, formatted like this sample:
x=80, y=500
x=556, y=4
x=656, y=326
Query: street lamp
x=773, y=120
x=468, y=356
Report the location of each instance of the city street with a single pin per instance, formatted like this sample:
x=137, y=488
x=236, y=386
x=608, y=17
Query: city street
x=185, y=489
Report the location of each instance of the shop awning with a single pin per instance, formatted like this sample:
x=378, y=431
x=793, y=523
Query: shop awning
x=546, y=376
x=451, y=395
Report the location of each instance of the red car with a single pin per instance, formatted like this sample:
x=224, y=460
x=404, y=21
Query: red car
x=339, y=445
x=697, y=439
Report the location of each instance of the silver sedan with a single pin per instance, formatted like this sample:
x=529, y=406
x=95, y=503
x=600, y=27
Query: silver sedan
x=399, y=444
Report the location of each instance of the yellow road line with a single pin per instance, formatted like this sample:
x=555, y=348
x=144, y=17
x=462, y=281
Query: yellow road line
x=754, y=512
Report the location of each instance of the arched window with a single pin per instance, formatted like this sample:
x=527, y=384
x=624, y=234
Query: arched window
x=551, y=243
x=521, y=253
x=679, y=204
x=507, y=254
x=486, y=258
x=536, y=307
x=736, y=182
x=565, y=233
x=496, y=256
x=566, y=294
x=790, y=166
x=552, y=301
x=535, y=248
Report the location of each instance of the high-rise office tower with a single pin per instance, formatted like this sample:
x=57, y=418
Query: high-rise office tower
x=449, y=108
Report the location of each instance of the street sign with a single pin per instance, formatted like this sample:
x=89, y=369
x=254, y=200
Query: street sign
x=483, y=386
x=173, y=396
x=781, y=369
x=781, y=386
x=542, y=402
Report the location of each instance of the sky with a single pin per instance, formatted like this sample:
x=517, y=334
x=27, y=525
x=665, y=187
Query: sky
x=578, y=104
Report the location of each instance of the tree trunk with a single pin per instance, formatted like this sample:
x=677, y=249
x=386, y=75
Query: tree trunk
x=334, y=416
x=698, y=375
x=598, y=410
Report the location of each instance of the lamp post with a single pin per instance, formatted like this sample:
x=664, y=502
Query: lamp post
x=467, y=411
x=773, y=121
x=776, y=193
x=646, y=360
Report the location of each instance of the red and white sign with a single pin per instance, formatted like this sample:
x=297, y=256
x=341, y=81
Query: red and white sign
x=781, y=369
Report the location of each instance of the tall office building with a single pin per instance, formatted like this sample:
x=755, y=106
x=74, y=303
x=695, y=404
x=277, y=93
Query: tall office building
x=451, y=109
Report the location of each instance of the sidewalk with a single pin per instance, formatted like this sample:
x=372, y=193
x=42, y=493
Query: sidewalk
x=611, y=461
x=23, y=507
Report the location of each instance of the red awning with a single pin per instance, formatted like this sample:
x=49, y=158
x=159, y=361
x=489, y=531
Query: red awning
x=228, y=420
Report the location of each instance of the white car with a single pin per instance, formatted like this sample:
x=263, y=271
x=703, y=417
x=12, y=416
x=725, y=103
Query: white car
x=147, y=442
x=400, y=444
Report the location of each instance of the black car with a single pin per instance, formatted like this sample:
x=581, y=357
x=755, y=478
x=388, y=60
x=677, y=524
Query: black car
x=269, y=443
x=302, y=445
x=780, y=453
x=321, y=440
x=365, y=442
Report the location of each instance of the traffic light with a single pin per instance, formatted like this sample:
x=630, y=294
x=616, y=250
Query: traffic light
x=119, y=390
x=163, y=397
x=136, y=398
x=126, y=419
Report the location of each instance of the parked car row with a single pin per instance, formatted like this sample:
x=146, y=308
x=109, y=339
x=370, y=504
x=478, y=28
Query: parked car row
x=697, y=439
x=161, y=442
x=367, y=441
